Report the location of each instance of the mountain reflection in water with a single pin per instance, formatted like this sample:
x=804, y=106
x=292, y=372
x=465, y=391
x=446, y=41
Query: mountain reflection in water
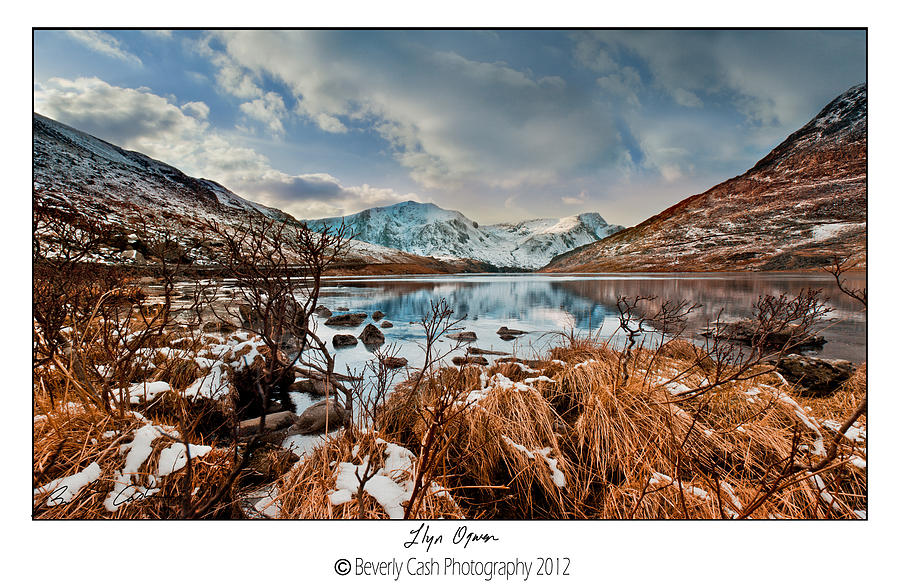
x=543, y=304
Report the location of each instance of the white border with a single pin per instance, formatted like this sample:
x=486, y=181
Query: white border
x=602, y=551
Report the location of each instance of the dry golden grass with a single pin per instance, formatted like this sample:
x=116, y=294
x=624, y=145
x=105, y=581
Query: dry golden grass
x=303, y=492
x=619, y=446
x=72, y=436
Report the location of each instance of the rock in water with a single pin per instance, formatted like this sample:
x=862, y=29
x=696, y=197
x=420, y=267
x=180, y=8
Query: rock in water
x=343, y=341
x=477, y=351
x=508, y=332
x=371, y=335
x=463, y=336
x=352, y=319
x=342, y=309
x=816, y=377
x=387, y=324
x=377, y=315
x=313, y=418
x=469, y=361
x=311, y=386
x=273, y=422
x=322, y=311
x=746, y=332
x=394, y=362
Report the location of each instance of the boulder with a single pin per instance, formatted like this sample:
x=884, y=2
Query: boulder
x=273, y=422
x=133, y=254
x=377, y=315
x=815, y=377
x=342, y=309
x=508, y=332
x=312, y=386
x=745, y=332
x=250, y=317
x=343, y=341
x=313, y=419
x=469, y=361
x=394, y=362
x=477, y=351
x=371, y=335
x=322, y=311
x=508, y=337
x=387, y=324
x=351, y=319
x=269, y=462
x=463, y=336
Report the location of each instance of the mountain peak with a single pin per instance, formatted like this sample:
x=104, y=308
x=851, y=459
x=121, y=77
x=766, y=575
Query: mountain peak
x=427, y=229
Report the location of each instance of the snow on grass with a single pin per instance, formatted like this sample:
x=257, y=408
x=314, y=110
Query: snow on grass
x=496, y=381
x=522, y=366
x=858, y=462
x=145, y=391
x=137, y=452
x=211, y=386
x=63, y=490
x=390, y=486
x=556, y=475
x=175, y=457
x=662, y=481
x=302, y=444
x=826, y=497
x=819, y=444
x=673, y=387
x=855, y=433
x=531, y=380
x=267, y=504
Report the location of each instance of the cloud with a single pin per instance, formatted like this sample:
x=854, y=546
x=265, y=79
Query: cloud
x=579, y=199
x=686, y=98
x=158, y=33
x=774, y=78
x=198, y=109
x=105, y=44
x=624, y=84
x=151, y=124
x=269, y=110
x=455, y=123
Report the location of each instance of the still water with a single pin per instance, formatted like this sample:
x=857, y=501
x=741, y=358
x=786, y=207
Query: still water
x=547, y=304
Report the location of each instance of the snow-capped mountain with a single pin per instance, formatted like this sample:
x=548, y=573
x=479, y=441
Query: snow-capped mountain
x=132, y=195
x=798, y=208
x=428, y=230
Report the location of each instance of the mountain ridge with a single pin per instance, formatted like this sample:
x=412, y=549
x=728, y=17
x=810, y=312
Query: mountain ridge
x=429, y=230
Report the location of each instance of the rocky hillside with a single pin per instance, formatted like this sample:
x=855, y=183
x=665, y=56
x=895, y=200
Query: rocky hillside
x=798, y=207
x=428, y=230
x=132, y=195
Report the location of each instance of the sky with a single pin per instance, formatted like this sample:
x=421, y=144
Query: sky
x=501, y=125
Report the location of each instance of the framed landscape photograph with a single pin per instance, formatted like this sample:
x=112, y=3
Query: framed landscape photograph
x=592, y=275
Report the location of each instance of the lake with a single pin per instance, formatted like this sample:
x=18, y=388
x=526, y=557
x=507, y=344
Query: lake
x=545, y=304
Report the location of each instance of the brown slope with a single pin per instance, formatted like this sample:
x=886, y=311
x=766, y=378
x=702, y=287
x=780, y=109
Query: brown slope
x=797, y=208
